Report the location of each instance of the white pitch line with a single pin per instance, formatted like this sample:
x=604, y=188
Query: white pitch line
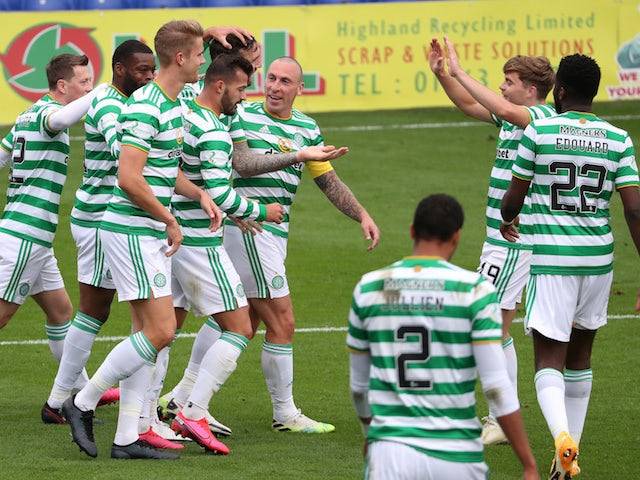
x=44, y=341
x=425, y=125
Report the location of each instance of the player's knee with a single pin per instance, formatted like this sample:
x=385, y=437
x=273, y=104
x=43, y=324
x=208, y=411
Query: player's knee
x=60, y=315
x=161, y=336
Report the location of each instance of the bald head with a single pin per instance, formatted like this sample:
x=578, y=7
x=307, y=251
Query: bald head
x=289, y=64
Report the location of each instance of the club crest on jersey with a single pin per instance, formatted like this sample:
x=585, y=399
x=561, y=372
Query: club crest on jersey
x=285, y=145
x=298, y=139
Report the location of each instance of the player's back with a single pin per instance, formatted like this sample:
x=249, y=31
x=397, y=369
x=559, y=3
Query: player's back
x=418, y=318
x=575, y=161
x=38, y=174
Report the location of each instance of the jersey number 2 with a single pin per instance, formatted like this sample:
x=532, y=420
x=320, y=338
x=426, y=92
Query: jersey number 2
x=572, y=174
x=421, y=356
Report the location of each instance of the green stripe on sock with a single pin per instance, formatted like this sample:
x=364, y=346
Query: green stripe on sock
x=57, y=332
x=210, y=322
x=578, y=375
x=144, y=347
x=278, y=348
x=238, y=341
x=547, y=371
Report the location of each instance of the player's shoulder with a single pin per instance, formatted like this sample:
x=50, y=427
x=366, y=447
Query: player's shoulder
x=151, y=94
x=201, y=117
x=304, y=118
x=110, y=96
x=542, y=110
x=255, y=108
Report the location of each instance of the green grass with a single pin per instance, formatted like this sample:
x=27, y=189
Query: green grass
x=390, y=171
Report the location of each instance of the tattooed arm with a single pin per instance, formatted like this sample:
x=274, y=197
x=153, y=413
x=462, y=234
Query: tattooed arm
x=249, y=164
x=345, y=201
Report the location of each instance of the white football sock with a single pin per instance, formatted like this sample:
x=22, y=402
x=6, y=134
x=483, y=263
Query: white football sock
x=77, y=348
x=277, y=367
x=132, y=393
x=208, y=334
x=123, y=361
x=550, y=391
x=577, y=390
x=217, y=365
x=153, y=392
x=511, y=358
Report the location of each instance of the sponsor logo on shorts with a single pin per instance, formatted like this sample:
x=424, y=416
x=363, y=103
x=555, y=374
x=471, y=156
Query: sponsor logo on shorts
x=277, y=282
x=240, y=290
x=160, y=280
x=23, y=289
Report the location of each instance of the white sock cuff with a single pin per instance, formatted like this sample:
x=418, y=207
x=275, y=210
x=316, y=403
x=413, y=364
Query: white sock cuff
x=57, y=332
x=549, y=374
x=86, y=323
x=578, y=375
x=277, y=348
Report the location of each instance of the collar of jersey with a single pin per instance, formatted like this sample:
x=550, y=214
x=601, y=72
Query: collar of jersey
x=275, y=117
x=423, y=257
x=164, y=93
x=118, y=90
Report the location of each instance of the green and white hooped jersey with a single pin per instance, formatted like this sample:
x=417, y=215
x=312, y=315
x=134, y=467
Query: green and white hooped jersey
x=152, y=122
x=267, y=134
x=38, y=172
x=506, y=152
x=101, y=152
x=418, y=319
x=206, y=161
x=574, y=162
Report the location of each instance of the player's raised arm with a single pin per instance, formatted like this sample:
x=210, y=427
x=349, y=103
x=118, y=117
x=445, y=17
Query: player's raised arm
x=344, y=200
x=456, y=93
x=498, y=105
x=249, y=164
x=72, y=112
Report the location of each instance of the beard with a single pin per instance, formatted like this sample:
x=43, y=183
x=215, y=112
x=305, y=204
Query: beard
x=228, y=106
x=129, y=85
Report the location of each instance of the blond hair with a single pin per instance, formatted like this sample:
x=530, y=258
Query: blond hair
x=536, y=71
x=175, y=36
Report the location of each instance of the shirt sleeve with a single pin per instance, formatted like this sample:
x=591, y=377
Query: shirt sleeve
x=139, y=124
x=496, y=120
x=236, y=130
x=43, y=120
x=523, y=167
x=357, y=337
x=486, y=319
x=106, y=118
x=627, y=172
x=215, y=167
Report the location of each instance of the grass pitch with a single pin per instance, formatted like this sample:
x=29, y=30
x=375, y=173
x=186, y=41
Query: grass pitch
x=390, y=170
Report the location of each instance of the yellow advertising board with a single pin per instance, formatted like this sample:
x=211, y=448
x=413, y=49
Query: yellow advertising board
x=355, y=56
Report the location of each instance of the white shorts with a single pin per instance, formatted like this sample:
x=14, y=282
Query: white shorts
x=26, y=268
x=508, y=270
x=396, y=461
x=259, y=260
x=92, y=267
x=557, y=303
x=205, y=281
x=138, y=264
